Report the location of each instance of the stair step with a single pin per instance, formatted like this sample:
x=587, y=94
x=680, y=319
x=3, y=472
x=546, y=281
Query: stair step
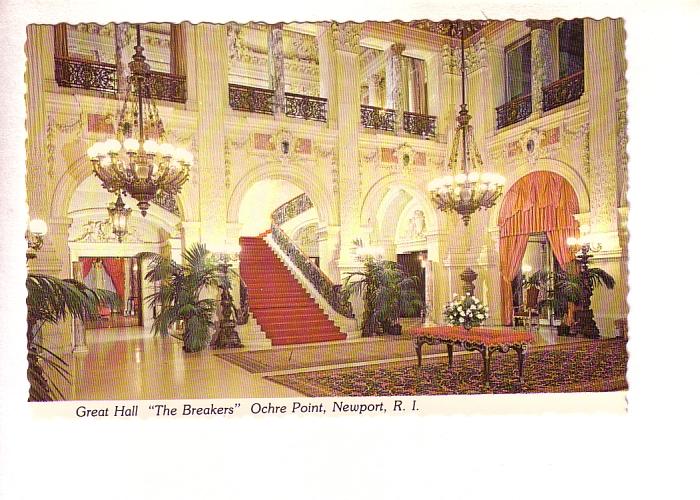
x=281, y=306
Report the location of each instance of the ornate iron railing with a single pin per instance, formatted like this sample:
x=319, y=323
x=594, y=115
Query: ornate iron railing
x=417, y=124
x=243, y=312
x=514, y=111
x=86, y=75
x=378, y=118
x=322, y=283
x=306, y=107
x=103, y=77
x=562, y=91
x=291, y=209
x=251, y=99
x=167, y=87
x=168, y=202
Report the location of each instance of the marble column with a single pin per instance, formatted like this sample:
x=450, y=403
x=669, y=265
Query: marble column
x=448, y=89
x=124, y=50
x=542, y=64
x=276, y=62
x=394, y=82
x=429, y=294
x=484, y=63
x=328, y=74
x=78, y=327
x=212, y=92
x=375, y=81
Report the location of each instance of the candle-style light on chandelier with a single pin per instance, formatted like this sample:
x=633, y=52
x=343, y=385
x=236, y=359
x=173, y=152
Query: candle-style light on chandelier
x=138, y=161
x=470, y=188
x=119, y=217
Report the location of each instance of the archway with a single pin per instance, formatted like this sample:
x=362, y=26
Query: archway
x=540, y=202
x=100, y=260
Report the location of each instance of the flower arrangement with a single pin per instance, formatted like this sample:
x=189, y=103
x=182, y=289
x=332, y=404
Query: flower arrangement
x=466, y=311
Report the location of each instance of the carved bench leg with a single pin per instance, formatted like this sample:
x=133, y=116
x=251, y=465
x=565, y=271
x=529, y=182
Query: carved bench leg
x=419, y=348
x=449, y=355
x=521, y=360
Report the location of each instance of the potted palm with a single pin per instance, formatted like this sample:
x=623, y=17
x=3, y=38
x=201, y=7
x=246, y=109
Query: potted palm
x=387, y=290
x=51, y=300
x=180, y=294
x=570, y=286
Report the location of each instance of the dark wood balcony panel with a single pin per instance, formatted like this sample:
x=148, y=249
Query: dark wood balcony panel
x=562, y=91
x=251, y=99
x=378, y=118
x=167, y=87
x=513, y=111
x=86, y=75
x=418, y=124
x=306, y=107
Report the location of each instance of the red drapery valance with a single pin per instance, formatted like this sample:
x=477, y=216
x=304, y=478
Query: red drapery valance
x=540, y=202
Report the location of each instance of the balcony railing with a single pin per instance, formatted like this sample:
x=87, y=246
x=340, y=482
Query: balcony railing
x=418, y=124
x=514, y=111
x=168, y=87
x=86, y=75
x=90, y=75
x=378, y=118
x=305, y=106
x=562, y=91
x=251, y=99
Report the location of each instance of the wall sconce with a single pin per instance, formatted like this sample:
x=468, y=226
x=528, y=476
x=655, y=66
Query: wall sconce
x=36, y=230
x=526, y=268
x=369, y=252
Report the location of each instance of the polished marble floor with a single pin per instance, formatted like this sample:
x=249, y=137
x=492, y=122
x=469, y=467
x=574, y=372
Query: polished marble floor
x=131, y=363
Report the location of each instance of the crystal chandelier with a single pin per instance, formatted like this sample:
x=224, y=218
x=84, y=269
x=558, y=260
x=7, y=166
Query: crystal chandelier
x=138, y=161
x=119, y=216
x=470, y=189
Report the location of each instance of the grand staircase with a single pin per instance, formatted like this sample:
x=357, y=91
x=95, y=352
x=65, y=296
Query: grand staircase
x=280, y=305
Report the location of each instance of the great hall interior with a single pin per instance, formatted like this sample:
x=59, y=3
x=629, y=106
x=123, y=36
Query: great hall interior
x=223, y=186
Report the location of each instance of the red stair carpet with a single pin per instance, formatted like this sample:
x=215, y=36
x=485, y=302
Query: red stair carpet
x=280, y=305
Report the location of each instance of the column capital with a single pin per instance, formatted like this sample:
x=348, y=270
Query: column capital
x=346, y=37
x=397, y=49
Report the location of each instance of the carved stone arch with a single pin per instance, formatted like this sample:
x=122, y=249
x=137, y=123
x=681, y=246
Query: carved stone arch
x=374, y=197
x=318, y=192
x=80, y=170
x=547, y=165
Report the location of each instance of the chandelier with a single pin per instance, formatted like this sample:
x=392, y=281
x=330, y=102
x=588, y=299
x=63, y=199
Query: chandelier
x=119, y=216
x=469, y=189
x=138, y=161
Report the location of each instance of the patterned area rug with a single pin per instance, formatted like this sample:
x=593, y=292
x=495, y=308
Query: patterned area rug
x=301, y=356
x=595, y=366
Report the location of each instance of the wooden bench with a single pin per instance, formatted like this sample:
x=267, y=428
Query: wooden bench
x=484, y=340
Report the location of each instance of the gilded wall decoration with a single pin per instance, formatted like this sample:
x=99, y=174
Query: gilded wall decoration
x=102, y=231
x=346, y=36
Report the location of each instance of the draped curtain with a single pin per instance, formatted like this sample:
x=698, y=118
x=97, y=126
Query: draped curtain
x=113, y=266
x=540, y=202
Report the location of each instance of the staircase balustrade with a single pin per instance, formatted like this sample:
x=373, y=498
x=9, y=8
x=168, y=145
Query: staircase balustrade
x=287, y=211
x=322, y=283
x=244, y=311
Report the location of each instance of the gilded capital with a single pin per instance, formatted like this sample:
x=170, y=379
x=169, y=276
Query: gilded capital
x=346, y=36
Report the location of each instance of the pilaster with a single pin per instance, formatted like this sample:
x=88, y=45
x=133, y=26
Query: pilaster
x=394, y=82
x=599, y=39
x=212, y=91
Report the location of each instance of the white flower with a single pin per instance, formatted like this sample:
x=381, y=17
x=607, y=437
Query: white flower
x=461, y=313
x=472, y=307
x=461, y=320
x=480, y=316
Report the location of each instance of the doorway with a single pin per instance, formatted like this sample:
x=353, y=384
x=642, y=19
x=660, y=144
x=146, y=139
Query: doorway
x=411, y=263
x=121, y=275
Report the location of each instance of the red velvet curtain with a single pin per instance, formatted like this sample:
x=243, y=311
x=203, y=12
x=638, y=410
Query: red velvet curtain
x=540, y=202
x=87, y=263
x=115, y=269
